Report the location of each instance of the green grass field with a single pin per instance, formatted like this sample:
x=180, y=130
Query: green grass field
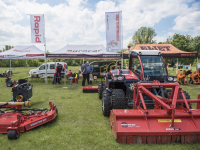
x=80, y=123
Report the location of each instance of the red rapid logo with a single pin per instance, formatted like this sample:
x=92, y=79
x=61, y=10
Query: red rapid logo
x=36, y=29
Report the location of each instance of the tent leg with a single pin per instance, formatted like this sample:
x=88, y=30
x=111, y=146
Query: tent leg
x=10, y=67
x=177, y=66
x=197, y=63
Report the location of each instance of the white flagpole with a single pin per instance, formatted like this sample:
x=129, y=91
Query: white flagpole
x=45, y=52
x=122, y=41
x=10, y=68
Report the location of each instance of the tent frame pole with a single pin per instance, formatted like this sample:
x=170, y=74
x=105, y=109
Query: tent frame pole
x=10, y=68
x=45, y=52
x=122, y=41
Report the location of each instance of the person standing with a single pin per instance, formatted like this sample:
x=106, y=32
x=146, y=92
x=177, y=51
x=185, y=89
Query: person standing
x=58, y=70
x=84, y=72
x=89, y=71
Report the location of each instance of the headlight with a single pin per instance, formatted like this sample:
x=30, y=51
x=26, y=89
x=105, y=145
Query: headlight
x=119, y=78
x=175, y=79
x=170, y=78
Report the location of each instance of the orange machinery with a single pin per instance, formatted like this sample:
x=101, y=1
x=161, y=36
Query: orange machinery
x=182, y=78
x=194, y=77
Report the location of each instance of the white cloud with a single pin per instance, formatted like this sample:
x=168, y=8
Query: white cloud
x=73, y=23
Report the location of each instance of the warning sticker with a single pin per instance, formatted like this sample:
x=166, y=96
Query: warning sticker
x=169, y=120
x=173, y=129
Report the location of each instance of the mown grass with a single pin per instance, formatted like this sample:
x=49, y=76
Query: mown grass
x=80, y=123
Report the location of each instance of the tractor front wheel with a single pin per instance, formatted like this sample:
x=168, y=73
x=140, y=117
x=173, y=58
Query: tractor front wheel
x=106, y=104
x=118, y=99
x=187, y=96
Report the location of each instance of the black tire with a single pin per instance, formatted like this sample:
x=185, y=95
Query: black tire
x=118, y=99
x=56, y=110
x=9, y=84
x=187, y=96
x=12, y=134
x=100, y=90
x=106, y=103
x=191, y=81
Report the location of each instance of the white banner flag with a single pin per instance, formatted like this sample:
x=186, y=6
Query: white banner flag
x=37, y=28
x=113, y=31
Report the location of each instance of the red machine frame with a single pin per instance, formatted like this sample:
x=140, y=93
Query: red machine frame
x=168, y=122
x=20, y=122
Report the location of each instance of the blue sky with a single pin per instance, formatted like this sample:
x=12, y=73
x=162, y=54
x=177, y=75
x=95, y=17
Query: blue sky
x=82, y=21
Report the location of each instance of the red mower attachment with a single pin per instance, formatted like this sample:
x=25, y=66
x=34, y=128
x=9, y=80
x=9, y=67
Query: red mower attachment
x=171, y=120
x=15, y=121
x=90, y=89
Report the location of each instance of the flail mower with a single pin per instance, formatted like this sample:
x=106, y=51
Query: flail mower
x=194, y=77
x=167, y=122
x=182, y=78
x=20, y=119
x=161, y=111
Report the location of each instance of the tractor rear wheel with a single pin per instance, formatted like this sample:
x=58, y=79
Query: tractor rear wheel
x=106, y=104
x=12, y=134
x=187, y=96
x=100, y=90
x=118, y=99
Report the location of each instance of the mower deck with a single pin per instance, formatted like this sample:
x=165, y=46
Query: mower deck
x=18, y=121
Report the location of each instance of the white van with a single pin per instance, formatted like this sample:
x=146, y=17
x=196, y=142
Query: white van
x=40, y=71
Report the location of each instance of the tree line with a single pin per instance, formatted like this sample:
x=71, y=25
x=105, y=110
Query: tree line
x=144, y=35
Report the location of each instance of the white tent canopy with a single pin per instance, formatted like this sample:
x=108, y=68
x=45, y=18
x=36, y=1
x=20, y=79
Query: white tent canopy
x=23, y=52
x=83, y=51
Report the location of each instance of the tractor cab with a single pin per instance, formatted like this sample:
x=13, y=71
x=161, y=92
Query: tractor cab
x=149, y=65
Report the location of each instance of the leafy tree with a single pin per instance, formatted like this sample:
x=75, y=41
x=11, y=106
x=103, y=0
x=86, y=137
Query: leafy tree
x=196, y=44
x=183, y=43
x=144, y=35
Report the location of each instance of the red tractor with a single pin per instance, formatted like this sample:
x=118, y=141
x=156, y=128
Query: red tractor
x=144, y=66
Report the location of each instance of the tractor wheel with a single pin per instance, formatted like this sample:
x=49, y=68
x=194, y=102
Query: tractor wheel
x=118, y=99
x=12, y=134
x=106, y=104
x=187, y=96
x=100, y=90
x=9, y=84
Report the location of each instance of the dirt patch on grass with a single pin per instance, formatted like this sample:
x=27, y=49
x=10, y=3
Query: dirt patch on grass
x=16, y=73
x=59, y=106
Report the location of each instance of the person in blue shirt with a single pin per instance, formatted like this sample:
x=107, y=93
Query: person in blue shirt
x=89, y=71
x=84, y=72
